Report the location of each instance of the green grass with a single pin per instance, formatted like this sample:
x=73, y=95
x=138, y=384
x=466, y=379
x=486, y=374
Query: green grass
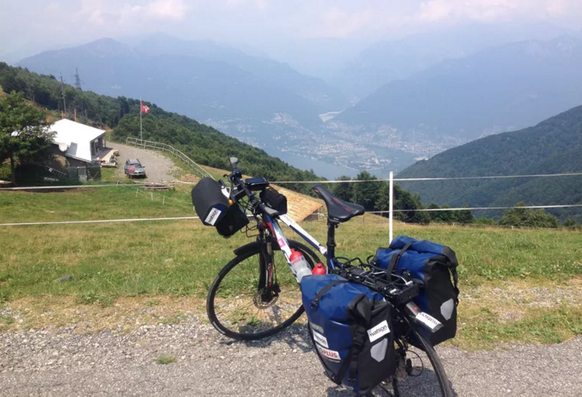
x=109, y=175
x=166, y=359
x=183, y=257
x=152, y=261
x=538, y=325
x=92, y=204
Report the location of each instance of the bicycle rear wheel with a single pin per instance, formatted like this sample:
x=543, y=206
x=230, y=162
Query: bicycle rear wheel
x=421, y=372
x=238, y=308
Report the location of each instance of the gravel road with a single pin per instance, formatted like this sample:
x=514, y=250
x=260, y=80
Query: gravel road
x=51, y=363
x=158, y=167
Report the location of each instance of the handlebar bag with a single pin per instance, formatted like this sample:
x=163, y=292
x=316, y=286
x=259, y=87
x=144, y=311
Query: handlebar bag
x=209, y=200
x=211, y=203
x=274, y=200
x=351, y=329
x=434, y=267
x=234, y=220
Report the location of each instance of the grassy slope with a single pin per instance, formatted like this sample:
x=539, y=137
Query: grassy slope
x=132, y=265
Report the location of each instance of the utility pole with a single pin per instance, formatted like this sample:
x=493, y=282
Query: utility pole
x=77, y=79
x=63, y=92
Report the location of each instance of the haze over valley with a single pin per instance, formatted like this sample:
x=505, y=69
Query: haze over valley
x=338, y=104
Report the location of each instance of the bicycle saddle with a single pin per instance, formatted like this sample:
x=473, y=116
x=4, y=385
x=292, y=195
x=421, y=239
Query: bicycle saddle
x=338, y=210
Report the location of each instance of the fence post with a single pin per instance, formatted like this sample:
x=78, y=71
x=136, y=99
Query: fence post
x=391, y=208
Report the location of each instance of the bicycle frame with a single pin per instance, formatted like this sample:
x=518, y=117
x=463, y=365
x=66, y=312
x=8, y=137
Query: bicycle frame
x=283, y=243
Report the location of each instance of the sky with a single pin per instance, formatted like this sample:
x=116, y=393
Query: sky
x=34, y=25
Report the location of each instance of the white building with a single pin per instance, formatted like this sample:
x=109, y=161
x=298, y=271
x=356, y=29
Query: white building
x=78, y=141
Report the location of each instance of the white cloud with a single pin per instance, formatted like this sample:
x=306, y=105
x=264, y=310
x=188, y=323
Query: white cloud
x=167, y=9
x=249, y=20
x=496, y=10
x=115, y=14
x=259, y=4
x=483, y=10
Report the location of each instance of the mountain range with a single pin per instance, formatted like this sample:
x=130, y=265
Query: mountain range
x=553, y=146
x=498, y=89
x=390, y=60
x=245, y=95
x=427, y=106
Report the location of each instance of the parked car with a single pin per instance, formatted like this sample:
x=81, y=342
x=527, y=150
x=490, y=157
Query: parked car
x=133, y=168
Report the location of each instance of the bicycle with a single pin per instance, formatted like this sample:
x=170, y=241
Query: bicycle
x=274, y=301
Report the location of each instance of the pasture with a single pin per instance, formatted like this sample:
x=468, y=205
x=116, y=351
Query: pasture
x=517, y=285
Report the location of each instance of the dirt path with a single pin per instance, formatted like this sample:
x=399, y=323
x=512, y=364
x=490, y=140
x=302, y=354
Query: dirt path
x=158, y=167
x=34, y=363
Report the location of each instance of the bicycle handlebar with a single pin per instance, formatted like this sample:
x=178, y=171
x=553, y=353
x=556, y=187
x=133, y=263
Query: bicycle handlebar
x=238, y=185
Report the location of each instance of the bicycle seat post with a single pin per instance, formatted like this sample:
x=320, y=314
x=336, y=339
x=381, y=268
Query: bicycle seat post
x=331, y=226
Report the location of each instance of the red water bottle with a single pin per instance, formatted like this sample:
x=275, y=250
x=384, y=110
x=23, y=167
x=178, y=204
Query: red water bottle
x=319, y=270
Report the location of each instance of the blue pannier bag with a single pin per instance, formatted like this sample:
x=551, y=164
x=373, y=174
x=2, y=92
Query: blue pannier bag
x=351, y=329
x=434, y=267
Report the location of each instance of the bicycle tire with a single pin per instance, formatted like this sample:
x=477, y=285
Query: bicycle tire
x=229, y=325
x=425, y=386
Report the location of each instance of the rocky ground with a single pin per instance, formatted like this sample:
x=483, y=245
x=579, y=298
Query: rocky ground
x=203, y=363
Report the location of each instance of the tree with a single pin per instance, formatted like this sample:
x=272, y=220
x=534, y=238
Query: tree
x=527, y=217
x=383, y=203
x=403, y=200
x=343, y=190
x=570, y=222
x=24, y=135
x=366, y=193
x=441, y=216
x=464, y=217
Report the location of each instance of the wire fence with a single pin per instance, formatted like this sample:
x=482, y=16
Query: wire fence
x=161, y=146
x=306, y=182
x=460, y=178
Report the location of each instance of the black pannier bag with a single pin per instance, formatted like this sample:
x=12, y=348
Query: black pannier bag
x=274, y=200
x=434, y=266
x=211, y=203
x=351, y=328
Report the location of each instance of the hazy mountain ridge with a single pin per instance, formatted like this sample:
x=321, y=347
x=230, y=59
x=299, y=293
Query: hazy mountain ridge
x=208, y=90
x=499, y=89
x=389, y=60
x=315, y=90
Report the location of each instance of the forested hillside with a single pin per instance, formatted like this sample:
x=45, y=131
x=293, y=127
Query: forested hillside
x=204, y=144
x=553, y=146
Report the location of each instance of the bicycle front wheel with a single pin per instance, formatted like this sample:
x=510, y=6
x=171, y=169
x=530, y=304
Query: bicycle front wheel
x=238, y=307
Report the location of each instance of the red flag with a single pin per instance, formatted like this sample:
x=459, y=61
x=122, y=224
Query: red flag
x=144, y=108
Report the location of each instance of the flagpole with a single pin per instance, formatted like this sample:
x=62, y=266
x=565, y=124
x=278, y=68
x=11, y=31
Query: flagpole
x=140, y=112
